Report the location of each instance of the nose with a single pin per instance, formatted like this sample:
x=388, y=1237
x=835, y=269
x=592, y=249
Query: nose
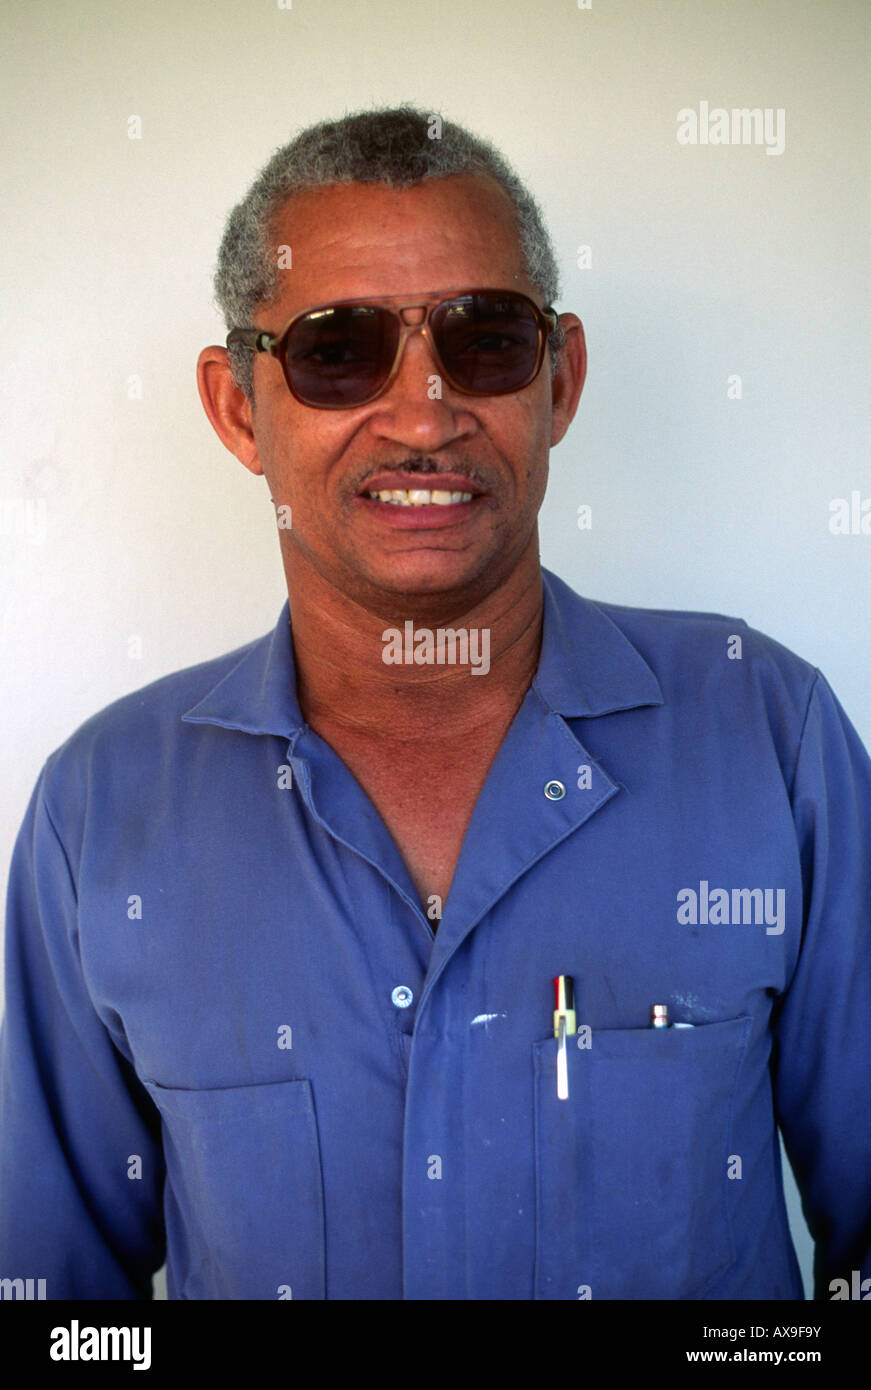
x=419, y=408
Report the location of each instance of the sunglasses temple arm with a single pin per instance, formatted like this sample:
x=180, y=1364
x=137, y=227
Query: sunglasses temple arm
x=255, y=339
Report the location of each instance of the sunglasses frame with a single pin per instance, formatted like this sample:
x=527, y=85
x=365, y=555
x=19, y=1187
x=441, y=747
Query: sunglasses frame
x=258, y=340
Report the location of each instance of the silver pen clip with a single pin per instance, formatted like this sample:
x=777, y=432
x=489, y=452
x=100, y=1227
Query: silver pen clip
x=564, y=1025
x=562, y=1066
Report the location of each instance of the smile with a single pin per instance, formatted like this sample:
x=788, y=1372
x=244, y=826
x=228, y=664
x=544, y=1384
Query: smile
x=419, y=497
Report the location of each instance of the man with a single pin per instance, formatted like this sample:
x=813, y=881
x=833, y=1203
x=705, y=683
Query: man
x=284, y=927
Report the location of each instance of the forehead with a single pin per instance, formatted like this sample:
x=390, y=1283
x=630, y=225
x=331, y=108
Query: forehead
x=356, y=239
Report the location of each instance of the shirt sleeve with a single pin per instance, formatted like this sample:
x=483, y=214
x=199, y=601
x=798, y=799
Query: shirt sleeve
x=76, y=1207
x=822, y=1049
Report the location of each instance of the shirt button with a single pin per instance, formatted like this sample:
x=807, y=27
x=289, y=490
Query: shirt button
x=402, y=996
x=554, y=790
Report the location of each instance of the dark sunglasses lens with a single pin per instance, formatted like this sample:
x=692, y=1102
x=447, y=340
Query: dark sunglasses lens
x=488, y=343
x=340, y=357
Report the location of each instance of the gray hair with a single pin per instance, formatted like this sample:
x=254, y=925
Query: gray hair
x=397, y=146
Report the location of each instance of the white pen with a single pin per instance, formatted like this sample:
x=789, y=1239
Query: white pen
x=564, y=1026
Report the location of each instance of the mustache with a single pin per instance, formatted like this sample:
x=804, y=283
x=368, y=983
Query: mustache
x=426, y=466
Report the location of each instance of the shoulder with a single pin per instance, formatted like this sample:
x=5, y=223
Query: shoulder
x=686, y=646
x=714, y=670
x=717, y=654
x=132, y=736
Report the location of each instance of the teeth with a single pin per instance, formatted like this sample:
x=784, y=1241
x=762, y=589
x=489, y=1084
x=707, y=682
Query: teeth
x=420, y=497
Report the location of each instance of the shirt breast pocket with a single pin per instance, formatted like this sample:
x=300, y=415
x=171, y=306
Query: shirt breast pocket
x=632, y=1169
x=244, y=1197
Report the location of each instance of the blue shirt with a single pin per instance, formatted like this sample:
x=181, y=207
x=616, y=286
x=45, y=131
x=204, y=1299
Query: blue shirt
x=231, y=1028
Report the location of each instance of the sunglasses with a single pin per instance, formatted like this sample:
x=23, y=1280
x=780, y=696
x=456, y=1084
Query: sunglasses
x=484, y=342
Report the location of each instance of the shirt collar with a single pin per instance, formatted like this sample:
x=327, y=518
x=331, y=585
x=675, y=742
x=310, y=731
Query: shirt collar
x=587, y=667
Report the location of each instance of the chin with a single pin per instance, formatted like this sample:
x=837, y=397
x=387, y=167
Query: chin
x=419, y=577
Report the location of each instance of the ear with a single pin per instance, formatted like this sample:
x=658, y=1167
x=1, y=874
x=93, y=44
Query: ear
x=568, y=380
x=227, y=406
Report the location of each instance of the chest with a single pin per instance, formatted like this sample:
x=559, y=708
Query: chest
x=425, y=794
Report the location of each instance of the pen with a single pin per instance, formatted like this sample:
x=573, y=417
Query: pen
x=659, y=1018
x=564, y=1026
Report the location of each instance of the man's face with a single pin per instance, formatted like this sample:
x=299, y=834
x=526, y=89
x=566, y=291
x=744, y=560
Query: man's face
x=358, y=240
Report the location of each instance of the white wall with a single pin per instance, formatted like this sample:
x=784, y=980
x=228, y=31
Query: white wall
x=125, y=518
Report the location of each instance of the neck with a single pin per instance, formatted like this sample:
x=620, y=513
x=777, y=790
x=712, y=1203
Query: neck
x=343, y=679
